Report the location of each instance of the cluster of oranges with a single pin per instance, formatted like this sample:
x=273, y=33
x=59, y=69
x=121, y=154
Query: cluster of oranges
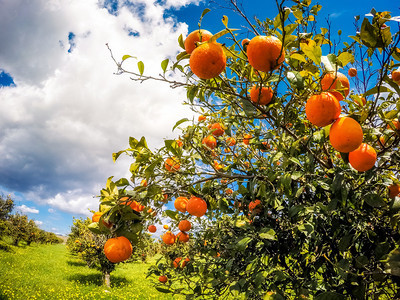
x=345, y=134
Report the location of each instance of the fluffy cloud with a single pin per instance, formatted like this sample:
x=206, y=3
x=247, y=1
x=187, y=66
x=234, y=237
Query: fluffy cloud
x=26, y=210
x=68, y=112
x=38, y=223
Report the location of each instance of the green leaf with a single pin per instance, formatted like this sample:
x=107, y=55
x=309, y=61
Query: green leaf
x=295, y=80
x=392, y=262
x=181, y=42
x=268, y=234
x=344, y=58
x=225, y=20
x=330, y=296
x=94, y=227
x=219, y=34
x=122, y=182
x=172, y=214
x=312, y=51
x=374, y=200
x=179, y=123
x=162, y=290
x=242, y=244
x=205, y=11
x=329, y=62
x=117, y=154
x=298, y=56
x=368, y=34
x=126, y=56
x=140, y=67
x=164, y=64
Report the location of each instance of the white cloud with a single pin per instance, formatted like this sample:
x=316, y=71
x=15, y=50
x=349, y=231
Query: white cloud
x=26, y=210
x=51, y=210
x=68, y=112
x=38, y=223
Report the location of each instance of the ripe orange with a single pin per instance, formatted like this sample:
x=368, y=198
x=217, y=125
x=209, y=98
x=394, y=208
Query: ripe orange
x=245, y=42
x=229, y=191
x=179, y=142
x=96, y=216
x=231, y=141
x=165, y=226
x=177, y=262
x=363, y=158
x=345, y=135
x=322, y=109
x=262, y=97
x=210, y=142
x=132, y=203
x=182, y=237
x=199, y=35
x=152, y=228
x=265, y=146
x=352, y=72
x=143, y=183
x=164, y=198
x=172, y=164
x=168, y=238
x=163, y=279
x=217, y=165
x=256, y=204
x=196, y=206
x=181, y=204
x=396, y=75
x=217, y=129
x=208, y=60
x=246, y=139
x=396, y=124
x=202, y=118
x=332, y=82
x=184, y=225
x=118, y=249
x=265, y=53
x=394, y=190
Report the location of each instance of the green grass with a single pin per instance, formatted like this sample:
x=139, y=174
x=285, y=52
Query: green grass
x=49, y=272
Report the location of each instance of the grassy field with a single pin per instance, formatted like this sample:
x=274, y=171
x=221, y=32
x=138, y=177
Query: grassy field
x=49, y=272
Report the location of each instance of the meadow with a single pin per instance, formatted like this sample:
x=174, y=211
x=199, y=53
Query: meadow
x=50, y=272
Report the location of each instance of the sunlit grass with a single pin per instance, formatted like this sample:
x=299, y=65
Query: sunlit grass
x=49, y=272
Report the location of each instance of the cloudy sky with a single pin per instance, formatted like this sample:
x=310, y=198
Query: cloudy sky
x=63, y=111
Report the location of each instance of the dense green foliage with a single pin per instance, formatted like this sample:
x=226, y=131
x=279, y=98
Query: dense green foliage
x=322, y=230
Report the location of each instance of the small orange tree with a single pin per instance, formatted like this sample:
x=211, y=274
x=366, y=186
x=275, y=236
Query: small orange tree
x=286, y=215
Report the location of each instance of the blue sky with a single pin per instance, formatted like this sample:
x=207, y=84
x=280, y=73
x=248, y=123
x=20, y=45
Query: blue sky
x=64, y=112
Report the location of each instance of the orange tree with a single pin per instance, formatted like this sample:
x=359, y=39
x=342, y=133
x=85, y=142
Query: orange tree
x=294, y=166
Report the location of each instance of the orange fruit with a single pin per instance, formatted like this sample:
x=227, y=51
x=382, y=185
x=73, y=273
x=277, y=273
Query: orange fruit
x=396, y=124
x=184, y=225
x=202, y=118
x=396, y=75
x=336, y=81
x=172, y=164
x=322, y=109
x=185, y=261
x=165, y=226
x=261, y=96
x=118, y=249
x=229, y=191
x=164, y=198
x=246, y=139
x=176, y=262
x=254, y=204
x=208, y=60
x=394, y=190
x=382, y=141
x=179, y=142
x=265, y=53
x=168, y=238
x=345, y=135
x=199, y=35
x=143, y=183
x=96, y=216
x=265, y=146
x=216, y=129
x=152, y=228
x=133, y=204
x=181, y=203
x=231, y=141
x=210, y=142
x=352, y=72
x=217, y=165
x=182, y=237
x=363, y=158
x=245, y=42
x=196, y=206
x=163, y=279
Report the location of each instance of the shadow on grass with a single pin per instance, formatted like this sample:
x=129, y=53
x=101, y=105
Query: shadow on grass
x=97, y=279
x=76, y=263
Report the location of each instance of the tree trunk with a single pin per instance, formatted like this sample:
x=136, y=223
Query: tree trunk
x=106, y=278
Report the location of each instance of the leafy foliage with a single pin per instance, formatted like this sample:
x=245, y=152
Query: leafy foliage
x=322, y=230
